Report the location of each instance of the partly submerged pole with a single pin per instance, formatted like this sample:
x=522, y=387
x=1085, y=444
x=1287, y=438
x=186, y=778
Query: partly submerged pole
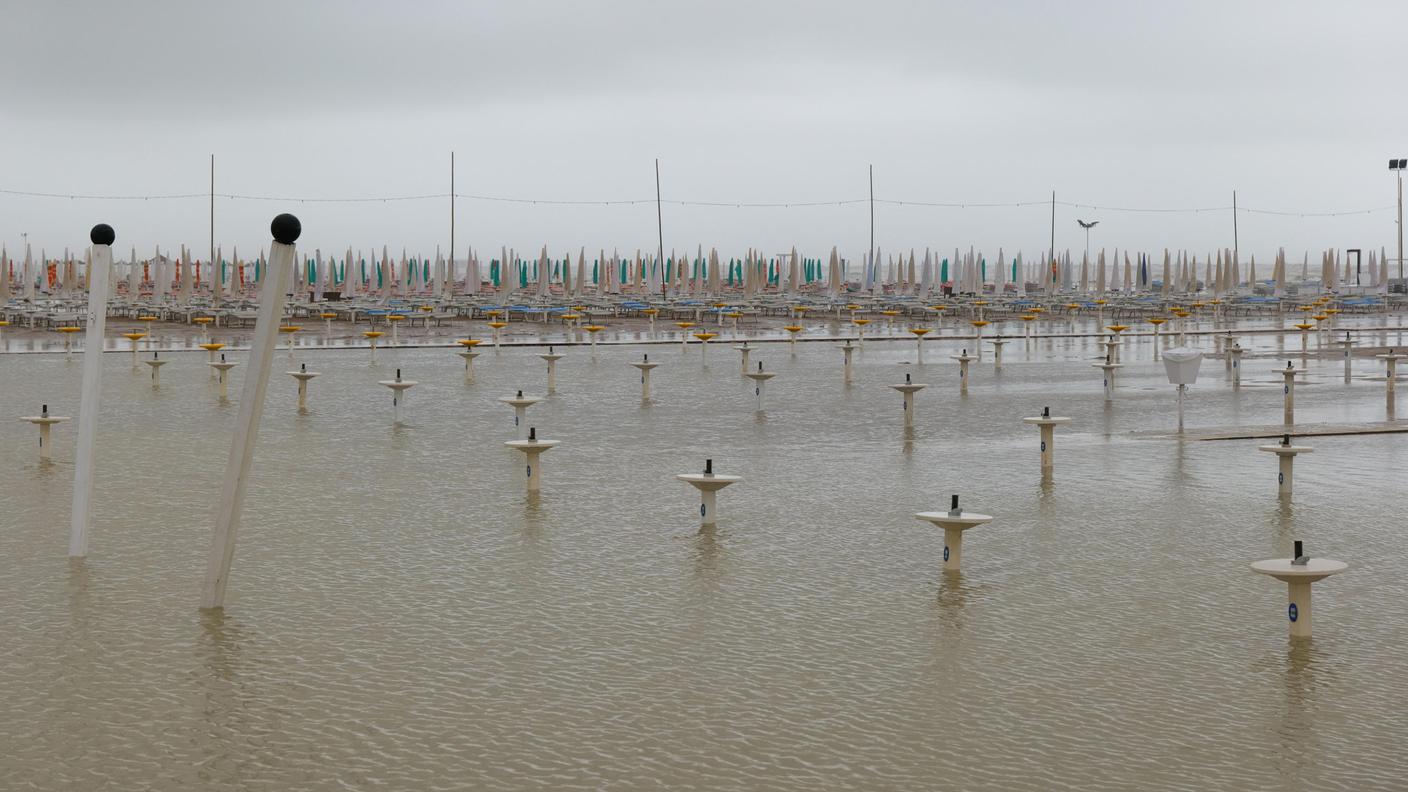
x=102, y=237
x=286, y=230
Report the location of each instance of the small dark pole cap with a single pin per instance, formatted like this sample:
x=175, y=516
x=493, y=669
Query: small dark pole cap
x=286, y=229
x=102, y=234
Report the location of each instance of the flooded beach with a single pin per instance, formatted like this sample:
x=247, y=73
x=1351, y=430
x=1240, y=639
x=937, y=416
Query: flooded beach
x=403, y=615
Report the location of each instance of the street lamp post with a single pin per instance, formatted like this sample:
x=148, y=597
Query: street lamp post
x=1087, y=227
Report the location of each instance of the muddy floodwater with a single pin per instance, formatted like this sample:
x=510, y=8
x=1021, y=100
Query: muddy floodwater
x=402, y=616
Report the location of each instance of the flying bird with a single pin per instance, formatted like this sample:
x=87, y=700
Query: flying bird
x=1088, y=226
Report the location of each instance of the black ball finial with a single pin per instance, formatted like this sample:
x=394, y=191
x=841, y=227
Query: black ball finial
x=286, y=229
x=102, y=234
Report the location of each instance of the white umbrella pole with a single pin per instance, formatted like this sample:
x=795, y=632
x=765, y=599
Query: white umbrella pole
x=102, y=237
x=286, y=230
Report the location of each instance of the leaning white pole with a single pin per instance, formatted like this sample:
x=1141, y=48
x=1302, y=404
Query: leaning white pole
x=286, y=229
x=102, y=237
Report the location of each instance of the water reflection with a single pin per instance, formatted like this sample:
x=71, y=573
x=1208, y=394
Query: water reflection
x=1282, y=516
x=706, y=555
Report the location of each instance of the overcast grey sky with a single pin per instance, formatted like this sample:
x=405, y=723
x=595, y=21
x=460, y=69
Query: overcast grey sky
x=1296, y=105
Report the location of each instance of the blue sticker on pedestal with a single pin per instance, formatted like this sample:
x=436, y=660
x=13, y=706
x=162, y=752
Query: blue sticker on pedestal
x=945, y=552
x=1293, y=612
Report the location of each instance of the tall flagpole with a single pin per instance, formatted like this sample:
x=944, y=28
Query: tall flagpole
x=660, y=229
x=452, y=213
x=1052, y=263
x=213, y=274
x=1234, y=229
x=871, y=253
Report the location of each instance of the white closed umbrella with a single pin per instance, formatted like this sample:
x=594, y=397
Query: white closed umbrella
x=217, y=275
x=184, y=273
x=134, y=276
x=383, y=274
x=544, y=272
x=349, y=275
x=28, y=273
x=61, y=274
x=163, y=275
